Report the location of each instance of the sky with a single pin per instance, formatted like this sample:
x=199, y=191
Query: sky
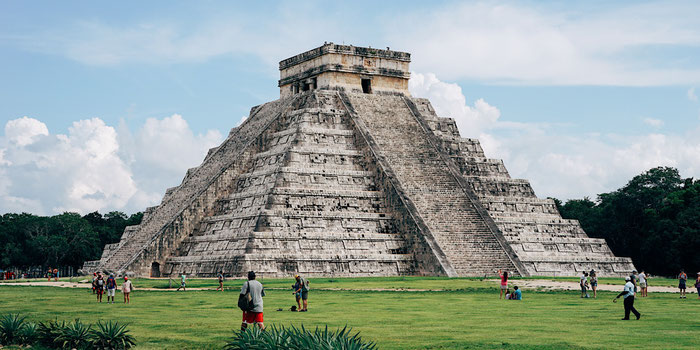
x=104, y=105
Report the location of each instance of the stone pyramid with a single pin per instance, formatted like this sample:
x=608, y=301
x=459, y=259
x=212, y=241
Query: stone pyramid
x=348, y=175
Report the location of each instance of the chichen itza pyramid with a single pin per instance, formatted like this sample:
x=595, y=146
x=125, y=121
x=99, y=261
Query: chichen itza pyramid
x=346, y=174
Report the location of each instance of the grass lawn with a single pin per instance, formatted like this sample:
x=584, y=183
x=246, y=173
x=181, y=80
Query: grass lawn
x=467, y=314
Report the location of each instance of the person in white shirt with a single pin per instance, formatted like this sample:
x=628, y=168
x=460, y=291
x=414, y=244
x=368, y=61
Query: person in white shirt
x=643, y=283
x=127, y=288
x=628, y=293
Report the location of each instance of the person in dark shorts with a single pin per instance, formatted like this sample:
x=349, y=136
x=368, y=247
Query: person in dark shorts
x=594, y=283
x=303, y=291
x=254, y=316
x=682, y=278
x=99, y=287
x=221, y=281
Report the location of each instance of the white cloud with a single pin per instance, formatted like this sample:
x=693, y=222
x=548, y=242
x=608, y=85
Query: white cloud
x=657, y=123
x=94, y=167
x=691, y=94
x=507, y=42
x=556, y=162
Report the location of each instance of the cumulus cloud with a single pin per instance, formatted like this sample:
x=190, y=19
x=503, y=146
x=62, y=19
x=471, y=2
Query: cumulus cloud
x=93, y=166
x=557, y=163
x=657, y=123
x=691, y=94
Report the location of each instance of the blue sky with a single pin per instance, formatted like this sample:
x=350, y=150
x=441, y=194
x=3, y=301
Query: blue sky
x=105, y=105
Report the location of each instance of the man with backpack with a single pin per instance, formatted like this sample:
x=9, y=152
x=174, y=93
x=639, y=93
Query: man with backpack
x=111, y=288
x=251, y=302
x=303, y=290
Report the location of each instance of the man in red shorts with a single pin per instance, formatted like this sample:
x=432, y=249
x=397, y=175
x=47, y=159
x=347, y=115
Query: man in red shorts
x=254, y=316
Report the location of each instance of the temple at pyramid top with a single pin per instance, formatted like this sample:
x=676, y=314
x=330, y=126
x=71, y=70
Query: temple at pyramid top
x=345, y=67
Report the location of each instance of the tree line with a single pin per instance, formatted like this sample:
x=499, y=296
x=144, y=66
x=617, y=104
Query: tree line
x=654, y=219
x=67, y=239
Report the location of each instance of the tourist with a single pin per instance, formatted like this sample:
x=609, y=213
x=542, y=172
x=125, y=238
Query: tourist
x=127, y=288
x=303, y=290
x=182, y=283
x=256, y=292
x=682, y=277
x=99, y=285
x=594, y=283
x=642, y=283
x=55, y=274
x=633, y=278
x=504, y=282
x=94, y=282
x=297, y=293
x=517, y=294
x=628, y=293
x=221, y=281
x=111, y=288
x=697, y=285
x=583, y=283
x=49, y=273
x=507, y=294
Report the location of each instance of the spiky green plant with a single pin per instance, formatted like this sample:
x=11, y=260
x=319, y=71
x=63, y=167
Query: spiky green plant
x=49, y=332
x=294, y=338
x=75, y=335
x=28, y=334
x=10, y=327
x=111, y=335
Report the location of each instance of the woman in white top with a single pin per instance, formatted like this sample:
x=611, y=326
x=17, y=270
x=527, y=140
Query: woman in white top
x=127, y=288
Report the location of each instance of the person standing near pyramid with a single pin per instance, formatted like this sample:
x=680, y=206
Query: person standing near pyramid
x=628, y=294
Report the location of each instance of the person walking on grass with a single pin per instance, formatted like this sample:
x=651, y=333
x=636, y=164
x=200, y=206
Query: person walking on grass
x=49, y=273
x=182, y=283
x=628, y=294
x=253, y=291
x=697, y=285
x=94, y=282
x=682, y=278
x=504, y=282
x=111, y=288
x=127, y=288
x=633, y=277
x=303, y=291
x=642, y=283
x=594, y=283
x=583, y=283
x=221, y=281
x=99, y=286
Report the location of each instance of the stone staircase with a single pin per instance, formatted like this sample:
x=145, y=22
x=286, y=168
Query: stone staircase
x=454, y=221
x=544, y=242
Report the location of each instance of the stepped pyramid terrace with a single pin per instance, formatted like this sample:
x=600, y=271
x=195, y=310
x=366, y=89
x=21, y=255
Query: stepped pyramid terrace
x=346, y=174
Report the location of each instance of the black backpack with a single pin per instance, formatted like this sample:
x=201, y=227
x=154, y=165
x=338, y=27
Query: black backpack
x=245, y=301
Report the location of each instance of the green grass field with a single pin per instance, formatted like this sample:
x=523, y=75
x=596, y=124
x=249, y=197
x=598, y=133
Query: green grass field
x=466, y=313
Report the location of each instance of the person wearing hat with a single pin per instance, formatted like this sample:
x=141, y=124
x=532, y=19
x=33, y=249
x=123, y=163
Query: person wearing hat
x=127, y=288
x=256, y=292
x=302, y=289
x=628, y=294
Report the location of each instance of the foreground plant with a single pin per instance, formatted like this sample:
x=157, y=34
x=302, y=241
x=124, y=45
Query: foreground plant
x=48, y=333
x=111, y=335
x=75, y=335
x=10, y=327
x=297, y=339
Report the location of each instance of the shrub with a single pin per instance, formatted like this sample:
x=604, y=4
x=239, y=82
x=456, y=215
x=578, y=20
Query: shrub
x=28, y=334
x=10, y=327
x=75, y=335
x=48, y=333
x=297, y=339
x=111, y=335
